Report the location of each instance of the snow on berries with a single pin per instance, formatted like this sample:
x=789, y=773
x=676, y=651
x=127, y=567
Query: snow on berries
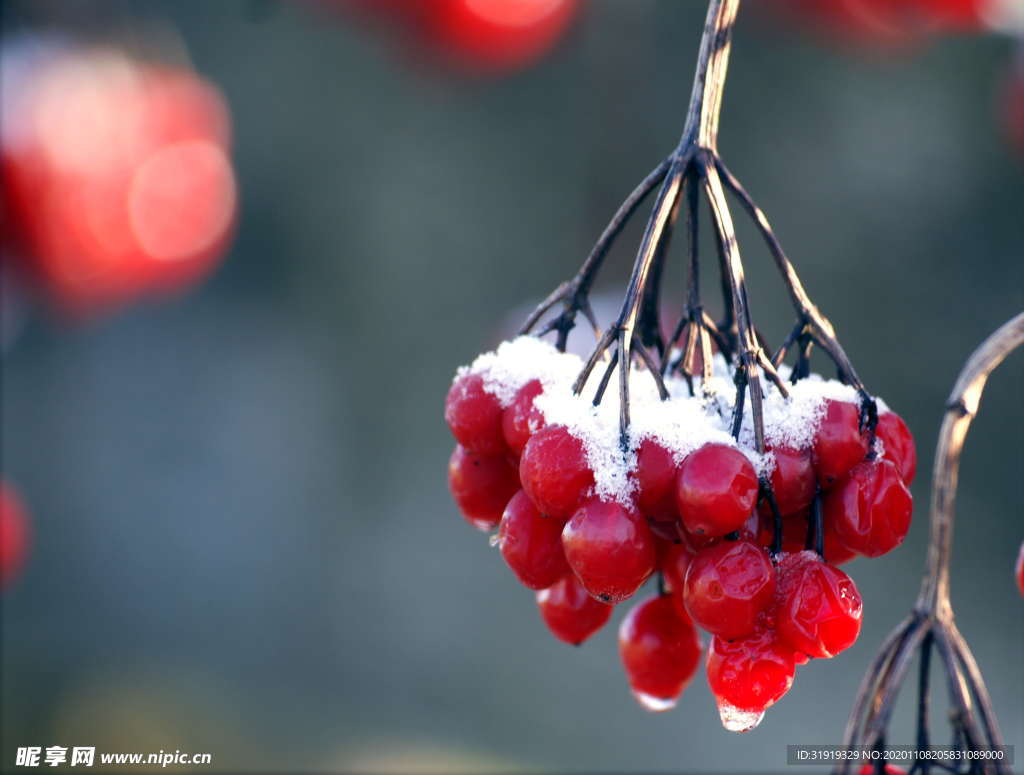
x=744, y=545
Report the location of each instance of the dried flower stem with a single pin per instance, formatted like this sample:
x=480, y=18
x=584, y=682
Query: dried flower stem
x=931, y=624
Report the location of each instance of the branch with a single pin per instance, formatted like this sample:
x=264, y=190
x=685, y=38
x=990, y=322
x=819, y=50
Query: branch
x=961, y=407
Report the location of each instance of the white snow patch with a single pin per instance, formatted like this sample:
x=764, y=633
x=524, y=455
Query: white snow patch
x=681, y=424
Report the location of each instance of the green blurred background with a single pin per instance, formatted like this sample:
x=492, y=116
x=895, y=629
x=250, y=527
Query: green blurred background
x=243, y=539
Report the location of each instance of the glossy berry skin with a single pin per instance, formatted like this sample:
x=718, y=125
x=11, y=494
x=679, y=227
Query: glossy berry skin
x=570, y=612
x=898, y=444
x=794, y=531
x=793, y=482
x=749, y=529
x=610, y=549
x=1019, y=570
x=481, y=486
x=839, y=444
x=836, y=552
x=819, y=608
x=659, y=650
x=14, y=534
x=656, y=477
x=716, y=490
x=870, y=510
x=728, y=586
x=521, y=419
x=531, y=543
x=474, y=416
x=674, y=561
x=750, y=673
x=554, y=471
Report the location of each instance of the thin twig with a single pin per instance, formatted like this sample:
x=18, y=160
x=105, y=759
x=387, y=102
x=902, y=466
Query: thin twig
x=931, y=622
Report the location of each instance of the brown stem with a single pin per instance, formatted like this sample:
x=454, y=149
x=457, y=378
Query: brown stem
x=807, y=312
x=931, y=621
x=961, y=407
x=701, y=128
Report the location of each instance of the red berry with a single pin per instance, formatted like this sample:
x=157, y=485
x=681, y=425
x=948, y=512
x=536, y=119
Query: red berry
x=521, y=418
x=836, y=552
x=14, y=533
x=481, y=486
x=716, y=490
x=656, y=478
x=794, y=537
x=474, y=416
x=728, y=586
x=898, y=445
x=819, y=607
x=793, y=482
x=870, y=510
x=570, y=612
x=673, y=562
x=497, y=34
x=1020, y=570
x=889, y=769
x=667, y=533
x=554, y=471
x=749, y=674
x=794, y=531
x=839, y=444
x=748, y=529
x=120, y=182
x=610, y=549
x=659, y=651
x=531, y=543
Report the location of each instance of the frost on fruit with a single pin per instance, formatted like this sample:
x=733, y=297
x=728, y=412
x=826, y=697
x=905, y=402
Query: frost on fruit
x=682, y=424
x=736, y=720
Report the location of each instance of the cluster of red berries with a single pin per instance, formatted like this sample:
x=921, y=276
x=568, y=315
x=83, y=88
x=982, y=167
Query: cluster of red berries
x=486, y=36
x=14, y=534
x=705, y=524
x=117, y=176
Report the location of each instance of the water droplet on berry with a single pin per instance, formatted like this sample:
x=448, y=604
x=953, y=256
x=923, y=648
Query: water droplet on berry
x=736, y=720
x=493, y=539
x=654, y=704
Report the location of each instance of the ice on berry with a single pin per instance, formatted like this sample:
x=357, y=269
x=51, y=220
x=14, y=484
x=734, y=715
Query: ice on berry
x=736, y=720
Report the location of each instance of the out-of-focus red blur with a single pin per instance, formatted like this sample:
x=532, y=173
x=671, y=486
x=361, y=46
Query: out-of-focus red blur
x=1013, y=106
x=888, y=21
x=498, y=34
x=117, y=176
x=478, y=36
x=14, y=533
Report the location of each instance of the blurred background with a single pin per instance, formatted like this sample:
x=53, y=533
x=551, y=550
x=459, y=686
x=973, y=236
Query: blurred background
x=229, y=450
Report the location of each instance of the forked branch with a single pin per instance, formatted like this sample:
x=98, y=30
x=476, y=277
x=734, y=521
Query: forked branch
x=930, y=624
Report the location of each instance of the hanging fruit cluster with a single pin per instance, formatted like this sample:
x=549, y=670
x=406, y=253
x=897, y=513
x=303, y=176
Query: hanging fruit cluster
x=586, y=524
x=738, y=480
x=117, y=174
